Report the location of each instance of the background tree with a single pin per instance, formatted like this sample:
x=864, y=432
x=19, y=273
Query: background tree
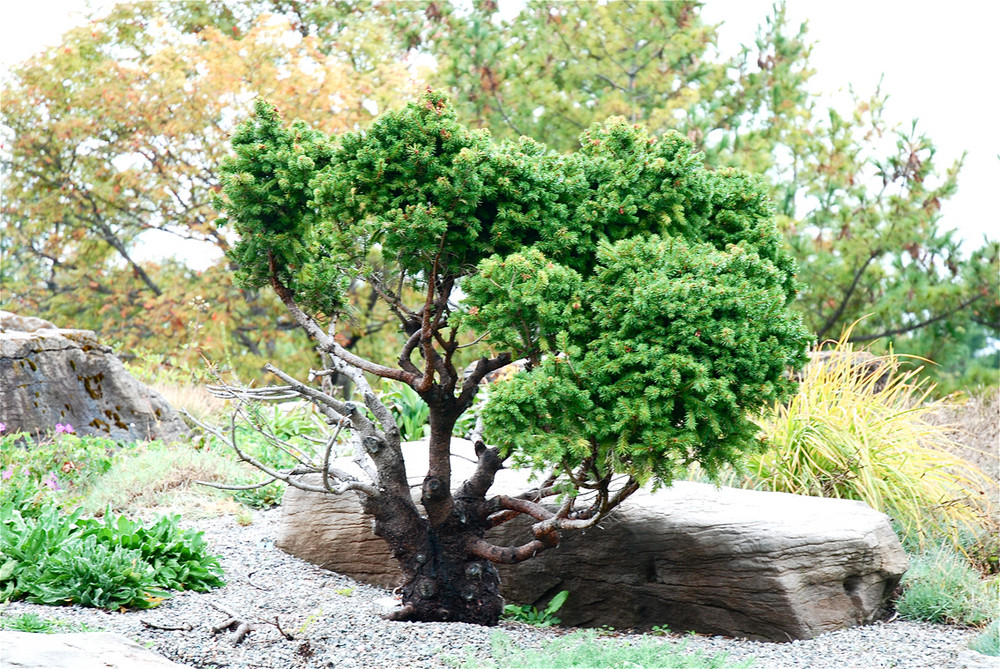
x=118, y=132
x=858, y=199
x=649, y=296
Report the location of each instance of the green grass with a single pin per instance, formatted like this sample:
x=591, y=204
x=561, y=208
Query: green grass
x=988, y=643
x=155, y=476
x=941, y=587
x=587, y=648
x=36, y=624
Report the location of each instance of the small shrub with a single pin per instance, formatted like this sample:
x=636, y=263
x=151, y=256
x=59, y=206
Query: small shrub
x=988, y=643
x=532, y=616
x=587, y=649
x=941, y=587
x=59, y=558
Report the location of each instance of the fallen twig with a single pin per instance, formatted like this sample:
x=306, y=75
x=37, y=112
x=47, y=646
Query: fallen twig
x=242, y=627
x=186, y=627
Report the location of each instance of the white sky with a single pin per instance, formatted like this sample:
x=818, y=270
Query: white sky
x=939, y=64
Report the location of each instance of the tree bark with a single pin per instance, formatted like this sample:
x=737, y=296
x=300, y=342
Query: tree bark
x=443, y=581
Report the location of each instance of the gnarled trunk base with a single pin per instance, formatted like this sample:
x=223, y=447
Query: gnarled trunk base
x=444, y=584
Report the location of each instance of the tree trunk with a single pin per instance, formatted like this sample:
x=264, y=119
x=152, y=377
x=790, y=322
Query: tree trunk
x=442, y=582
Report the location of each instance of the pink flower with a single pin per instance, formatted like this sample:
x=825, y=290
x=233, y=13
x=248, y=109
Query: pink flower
x=67, y=428
x=51, y=482
x=7, y=473
x=3, y=426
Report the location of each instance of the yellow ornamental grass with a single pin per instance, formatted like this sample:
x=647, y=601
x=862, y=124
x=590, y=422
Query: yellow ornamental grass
x=858, y=429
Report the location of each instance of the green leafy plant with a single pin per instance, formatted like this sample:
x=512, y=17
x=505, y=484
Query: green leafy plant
x=988, y=643
x=586, y=648
x=859, y=429
x=410, y=411
x=179, y=558
x=112, y=563
x=90, y=573
x=286, y=422
x=941, y=587
x=532, y=616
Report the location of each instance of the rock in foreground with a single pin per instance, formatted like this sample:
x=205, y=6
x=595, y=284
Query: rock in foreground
x=743, y=563
x=77, y=651
x=51, y=375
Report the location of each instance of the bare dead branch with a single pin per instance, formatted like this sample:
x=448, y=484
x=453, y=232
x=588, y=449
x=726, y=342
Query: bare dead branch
x=223, y=486
x=344, y=482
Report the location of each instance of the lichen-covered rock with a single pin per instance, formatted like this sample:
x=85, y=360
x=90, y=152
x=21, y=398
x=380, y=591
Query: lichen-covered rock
x=742, y=563
x=52, y=375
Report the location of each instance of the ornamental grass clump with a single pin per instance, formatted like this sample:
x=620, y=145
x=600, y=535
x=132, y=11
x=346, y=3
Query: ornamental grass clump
x=862, y=431
x=988, y=643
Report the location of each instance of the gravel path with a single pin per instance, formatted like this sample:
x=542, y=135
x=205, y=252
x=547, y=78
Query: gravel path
x=336, y=622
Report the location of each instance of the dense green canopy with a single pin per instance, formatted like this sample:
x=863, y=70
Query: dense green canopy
x=650, y=294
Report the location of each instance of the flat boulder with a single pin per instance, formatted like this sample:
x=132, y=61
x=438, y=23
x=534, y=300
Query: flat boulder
x=743, y=563
x=84, y=650
x=51, y=375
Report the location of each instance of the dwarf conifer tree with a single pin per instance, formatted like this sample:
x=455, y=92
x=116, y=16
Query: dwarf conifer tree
x=649, y=298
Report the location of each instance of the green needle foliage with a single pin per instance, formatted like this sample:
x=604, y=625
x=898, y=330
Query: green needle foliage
x=659, y=290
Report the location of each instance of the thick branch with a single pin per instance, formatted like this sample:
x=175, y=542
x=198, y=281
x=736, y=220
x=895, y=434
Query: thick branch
x=327, y=343
x=483, y=367
x=832, y=320
x=505, y=554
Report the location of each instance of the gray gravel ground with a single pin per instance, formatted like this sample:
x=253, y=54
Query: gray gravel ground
x=335, y=622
